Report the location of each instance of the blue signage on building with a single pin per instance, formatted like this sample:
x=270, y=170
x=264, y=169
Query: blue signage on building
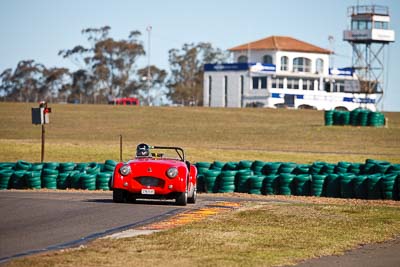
x=253, y=67
x=226, y=67
x=341, y=71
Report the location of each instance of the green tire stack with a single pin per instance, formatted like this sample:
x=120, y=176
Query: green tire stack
x=360, y=184
x=200, y=183
x=75, y=179
x=285, y=183
x=255, y=184
x=318, y=167
x=257, y=167
x=17, y=180
x=33, y=179
x=88, y=181
x=346, y=185
x=341, y=117
x=66, y=167
x=343, y=167
x=22, y=165
x=332, y=182
x=355, y=168
x=317, y=184
x=329, y=117
x=49, y=177
x=5, y=176
x=287, y=167
x=217, y=165
x=51, y=165
x=226, y=181
x=271, y=184
x=202, y=167
x=102, y=180
x=93, y=168
x=388, y=186
x=81, y=167
x=63, y=178
x=36, y=167
x=376, y=119
x=242, y=180
x=245, y=164
x=374, y=186
x=327, y=169
x=363, y=117
x=354, y=117
x=302, y=184
x=109, y=166
x=382, y=167
x=271, y=168
x=302, y=169
x=210, y=181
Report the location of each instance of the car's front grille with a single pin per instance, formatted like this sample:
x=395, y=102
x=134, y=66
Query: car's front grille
x=150, y=181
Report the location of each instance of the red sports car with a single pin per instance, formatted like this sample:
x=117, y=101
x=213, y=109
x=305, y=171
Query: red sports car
x=154, y=175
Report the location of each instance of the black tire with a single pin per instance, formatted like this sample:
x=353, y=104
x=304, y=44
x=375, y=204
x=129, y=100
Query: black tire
x=192, y=199
x=118, y=195
x=182, y=199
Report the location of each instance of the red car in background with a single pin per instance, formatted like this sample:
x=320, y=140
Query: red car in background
x=124, y=101
x=155, y=175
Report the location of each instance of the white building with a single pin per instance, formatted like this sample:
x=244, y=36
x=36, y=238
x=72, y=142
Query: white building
x=282, y=71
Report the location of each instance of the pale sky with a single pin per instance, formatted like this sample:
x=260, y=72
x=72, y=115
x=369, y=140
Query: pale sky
x=38, y=29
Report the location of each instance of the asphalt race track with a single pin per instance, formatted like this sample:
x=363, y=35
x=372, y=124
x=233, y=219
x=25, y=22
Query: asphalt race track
x=32, y=222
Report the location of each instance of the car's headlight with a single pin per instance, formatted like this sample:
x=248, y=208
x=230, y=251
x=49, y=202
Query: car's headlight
x=125, y=170
x=172, y=172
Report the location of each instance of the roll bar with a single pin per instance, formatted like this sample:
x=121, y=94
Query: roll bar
x=178, y=150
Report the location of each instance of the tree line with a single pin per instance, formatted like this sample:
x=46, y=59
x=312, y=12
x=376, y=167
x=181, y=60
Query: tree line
x=107, y=69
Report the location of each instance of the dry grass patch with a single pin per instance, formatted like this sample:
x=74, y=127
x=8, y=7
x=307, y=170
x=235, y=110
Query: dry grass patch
x=91, y=133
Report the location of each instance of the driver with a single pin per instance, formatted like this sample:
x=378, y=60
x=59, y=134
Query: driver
x=142, y=150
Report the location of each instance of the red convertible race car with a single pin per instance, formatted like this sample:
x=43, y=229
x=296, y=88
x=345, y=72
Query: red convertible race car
x=155, y=175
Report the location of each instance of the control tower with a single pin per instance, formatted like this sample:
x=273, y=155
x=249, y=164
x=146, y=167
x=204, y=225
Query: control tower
x=368, y=35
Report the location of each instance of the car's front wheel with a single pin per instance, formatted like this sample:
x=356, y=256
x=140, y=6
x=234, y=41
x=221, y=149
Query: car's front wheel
x=118, y=195
x=182, y=199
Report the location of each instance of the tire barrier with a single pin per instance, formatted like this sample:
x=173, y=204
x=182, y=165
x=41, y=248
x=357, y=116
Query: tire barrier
x=373, y=179
x=55, y=175
x=357, y=117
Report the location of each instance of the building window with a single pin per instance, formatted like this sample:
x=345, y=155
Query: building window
x=242, y=59
x=259, y=83
x=308, y=85
x=327, y=87
x=226, y=90
x=284, y=63
x=340, y=87
x=267, y=59
x=255, y=83
x=301, y=64
x=381, y=25
x=292, y=83
x=263, y=82
x=277, y=83
x=280, y=83
x=319, y=65
x=209, y=90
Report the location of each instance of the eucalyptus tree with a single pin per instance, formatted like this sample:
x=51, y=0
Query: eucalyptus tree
x=186, y=80
x=108, y=65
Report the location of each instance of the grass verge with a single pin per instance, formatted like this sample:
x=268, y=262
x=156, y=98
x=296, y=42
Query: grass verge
x=80, y=133
x=261, y=234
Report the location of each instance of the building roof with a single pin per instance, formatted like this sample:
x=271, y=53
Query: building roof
x=281, y=43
